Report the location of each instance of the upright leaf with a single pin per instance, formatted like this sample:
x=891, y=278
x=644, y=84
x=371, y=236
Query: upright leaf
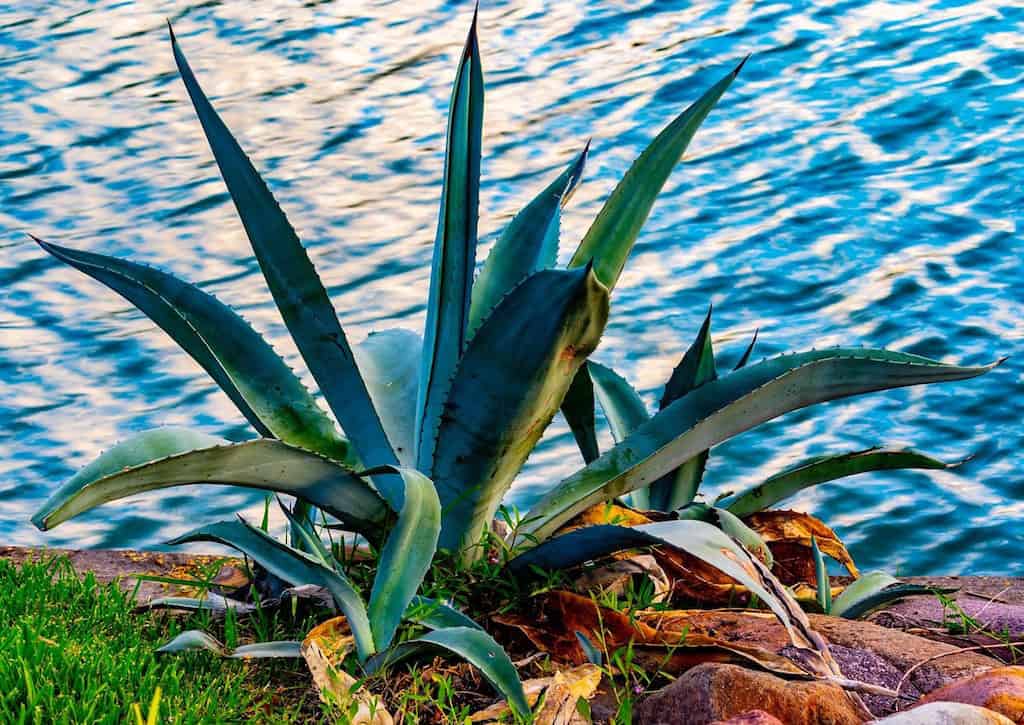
x=578, y=410
x=824, y=584
x=406, y=556
x=624, y=410
x=297, y=290
x=239, y=360
x=823, y=469
x=679, y=488
x=389, y=364
x=130, y=468
x=473, y=645
x=292, y=566
x=528, y=244
x=745, y=357
x=611, y=236
x=451, y=278
x=508, y=386
x=725, y=407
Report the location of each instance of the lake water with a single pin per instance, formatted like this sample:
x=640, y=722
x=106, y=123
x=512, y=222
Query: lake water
x=860, y=183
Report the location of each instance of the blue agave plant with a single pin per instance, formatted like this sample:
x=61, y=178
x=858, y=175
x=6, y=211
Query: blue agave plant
x=430, y=449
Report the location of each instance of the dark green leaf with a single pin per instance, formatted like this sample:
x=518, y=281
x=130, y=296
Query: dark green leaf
x=578, y=409
x=451, y=279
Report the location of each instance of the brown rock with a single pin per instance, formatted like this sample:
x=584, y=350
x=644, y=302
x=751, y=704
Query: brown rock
x=1000, y=689
x=753, y=717
x=714, y=692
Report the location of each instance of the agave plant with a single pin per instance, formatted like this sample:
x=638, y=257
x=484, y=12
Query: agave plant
x=500, y=355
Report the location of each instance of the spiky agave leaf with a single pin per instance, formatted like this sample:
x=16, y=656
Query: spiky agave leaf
x=822, y=469
x=610, y=238
x=725, y=407
x=508, y=386
x=679, y=488
x=240, y=361
x=745, y=357
x=174, y=457
x=872, y=591
x=473, y=645
x=194, y=639
x=389, y=364
x=294, y=567
x=623, y=409
x=824, y=585
x=451, y=278
x=578, y=410
x=528, y=244
x=297, y=290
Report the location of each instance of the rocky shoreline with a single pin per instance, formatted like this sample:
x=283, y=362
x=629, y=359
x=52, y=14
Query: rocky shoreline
x=914, y=646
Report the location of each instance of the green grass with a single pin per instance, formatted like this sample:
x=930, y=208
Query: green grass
x=72, y=651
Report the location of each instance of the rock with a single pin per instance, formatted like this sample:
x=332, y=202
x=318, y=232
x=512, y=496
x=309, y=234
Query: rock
x=715, y=692
x=751, y=717
x=946, y=713
x=1000, y=689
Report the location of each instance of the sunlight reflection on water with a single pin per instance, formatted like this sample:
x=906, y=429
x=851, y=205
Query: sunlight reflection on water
x=859, y=184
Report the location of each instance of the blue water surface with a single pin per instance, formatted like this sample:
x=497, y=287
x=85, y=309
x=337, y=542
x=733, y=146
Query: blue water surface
x=861, y=183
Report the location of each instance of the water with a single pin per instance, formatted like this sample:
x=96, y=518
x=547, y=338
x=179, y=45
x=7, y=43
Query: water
x=860, y=183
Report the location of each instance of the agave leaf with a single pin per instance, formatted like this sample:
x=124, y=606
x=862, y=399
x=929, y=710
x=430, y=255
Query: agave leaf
x=734, y=528
x=702, y=540
x=239, y=360
x=406, y=556
x=508, y=386
x=718, y=410
x=745, y=357
x=132, y=468
x=528, y=244
x=679, y=488
x=389, y=363
x=823, y=469
x=451, y=278
x=306, y=539
x=476, y=647
x=824, y=585
x=194, y=639
x=578, y=410
x=610, y=238
x=434, y=614
x=297, y=290
x=294, y=567
x=871, y=591
x=624, y=410
x=211, y=602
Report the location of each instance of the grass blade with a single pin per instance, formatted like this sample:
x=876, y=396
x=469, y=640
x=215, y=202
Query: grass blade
x=610, y=239
x=823, y=469
x=297, y=290
x=451, y=280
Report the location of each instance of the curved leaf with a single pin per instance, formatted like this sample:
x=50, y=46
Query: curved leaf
x=297, y=290
x=734, y=528
x=679, y=488
x=451, y=278
x=528, y=244
x=578, y=410
x=624, y=410
x=473, y=645
x=702, y=540
x=745, y=357
x=265, y=464
x=389, y=363
x=194, y=639
x=610, y=238
x=872, y=591
x=508, y=386
x=823, y=469
x=239, y=360
x=292, y=566
x=406, y=556
x=725, y=407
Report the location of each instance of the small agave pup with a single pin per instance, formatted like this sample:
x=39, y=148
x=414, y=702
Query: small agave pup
x=430, y=450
